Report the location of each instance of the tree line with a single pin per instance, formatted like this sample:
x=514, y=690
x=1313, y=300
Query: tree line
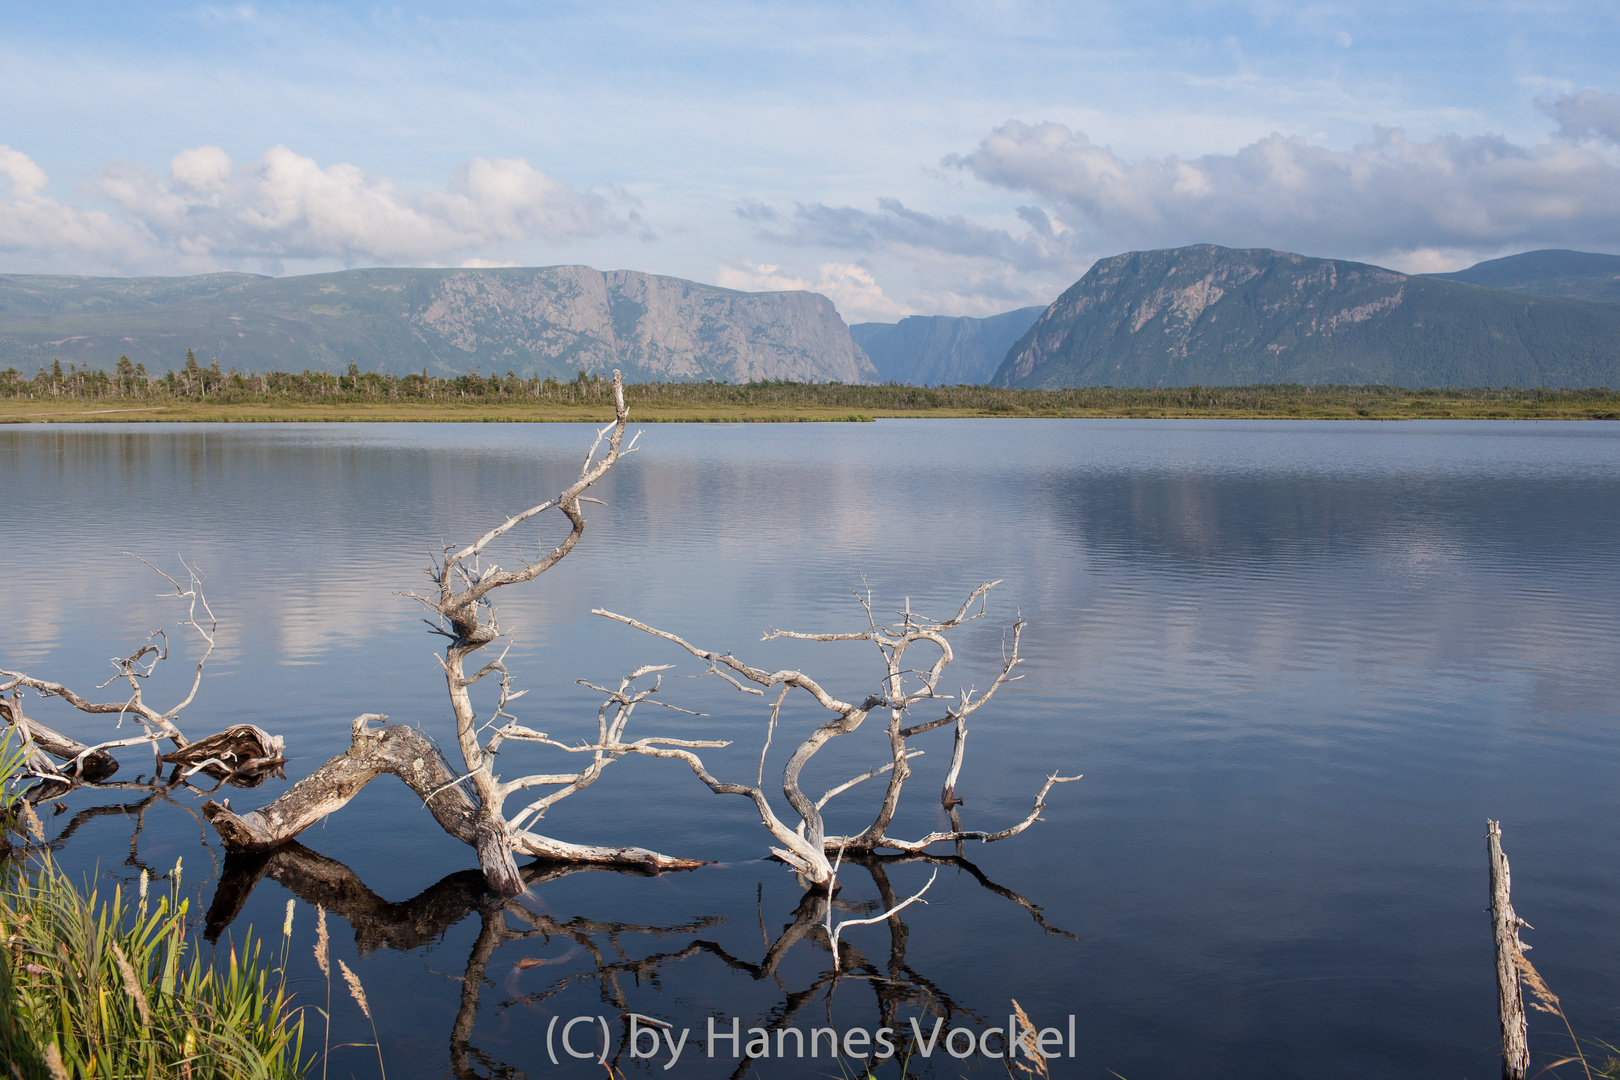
x=194, y=382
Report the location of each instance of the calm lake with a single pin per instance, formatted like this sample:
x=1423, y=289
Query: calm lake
x=1299, y=664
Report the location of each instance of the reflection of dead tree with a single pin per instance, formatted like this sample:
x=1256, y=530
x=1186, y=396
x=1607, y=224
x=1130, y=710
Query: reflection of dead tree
x=895, y=985
x=424, y=919
x=470, y=804
x=156, y=792
x=806, y=847
x=243, y=752
x=608, y=961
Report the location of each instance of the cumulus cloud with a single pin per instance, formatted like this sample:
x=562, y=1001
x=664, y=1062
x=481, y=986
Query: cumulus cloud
x=1389, y=194
x=1586, y=115
x=32, y=220
x=850, y=286
x=211, y=211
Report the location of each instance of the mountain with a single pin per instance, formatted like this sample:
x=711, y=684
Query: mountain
x=1219, y=316
x=1583, y=274
x=551, y=320
x=939, y=350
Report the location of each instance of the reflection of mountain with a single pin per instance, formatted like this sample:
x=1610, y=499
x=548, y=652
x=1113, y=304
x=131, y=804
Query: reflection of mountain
x=1222, y=520
x=1193, y=583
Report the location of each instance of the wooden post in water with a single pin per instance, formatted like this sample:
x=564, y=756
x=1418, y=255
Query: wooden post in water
x=1506, y=922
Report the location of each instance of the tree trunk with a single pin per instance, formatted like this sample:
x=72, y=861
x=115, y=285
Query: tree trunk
x=411, y=756
x=1505, y=923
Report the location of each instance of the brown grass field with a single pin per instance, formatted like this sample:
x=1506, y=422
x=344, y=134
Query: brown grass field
x=850, y=405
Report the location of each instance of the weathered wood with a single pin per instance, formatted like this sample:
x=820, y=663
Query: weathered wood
x=98, y=764
x=1505, y=924
x=807, y=846
x=408, y=754
x=238, y=749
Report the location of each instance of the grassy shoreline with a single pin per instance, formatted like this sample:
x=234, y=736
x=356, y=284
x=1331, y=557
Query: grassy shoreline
x=778, y=402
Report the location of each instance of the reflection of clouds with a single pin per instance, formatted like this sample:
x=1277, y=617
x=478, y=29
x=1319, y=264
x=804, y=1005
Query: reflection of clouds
x=1379, y=586
x=1189, y=561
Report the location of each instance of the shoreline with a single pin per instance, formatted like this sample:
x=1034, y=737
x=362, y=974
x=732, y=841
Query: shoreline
x=18, y=413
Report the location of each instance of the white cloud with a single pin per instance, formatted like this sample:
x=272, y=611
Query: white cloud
x=1586, y=115
x=209, y=212
x=897, y=227
x=850, y=286
x=30, y=220
x=1387, y=196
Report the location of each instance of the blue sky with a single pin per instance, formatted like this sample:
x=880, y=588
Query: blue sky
x=903, y=158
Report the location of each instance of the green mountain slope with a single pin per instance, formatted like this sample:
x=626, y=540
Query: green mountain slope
x=941, y=350
x=42, y=294
x=1218, y=316
x=1583, y=274
x=535, y=321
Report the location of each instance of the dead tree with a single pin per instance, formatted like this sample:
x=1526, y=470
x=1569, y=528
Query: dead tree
x=469, y=803
x=806, y=846
x=242, y=753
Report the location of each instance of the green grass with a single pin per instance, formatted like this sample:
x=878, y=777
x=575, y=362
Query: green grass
x=105, y=988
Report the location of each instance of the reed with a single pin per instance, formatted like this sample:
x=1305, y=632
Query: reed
x=104, y=988
x=94, y=987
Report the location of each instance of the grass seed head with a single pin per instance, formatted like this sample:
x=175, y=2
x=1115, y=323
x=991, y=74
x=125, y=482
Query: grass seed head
x=358, y=991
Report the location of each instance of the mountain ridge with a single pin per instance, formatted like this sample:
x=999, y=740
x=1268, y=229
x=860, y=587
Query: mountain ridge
x=942, y=350
x=1585, y=275
x=531, y=320
x=1209, y=315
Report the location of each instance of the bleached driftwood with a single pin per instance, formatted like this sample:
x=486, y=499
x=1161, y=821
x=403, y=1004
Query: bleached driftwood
x=469, y=802
x=240, y=754
x=1505, y=925
x=404, y=752
x=806, y=846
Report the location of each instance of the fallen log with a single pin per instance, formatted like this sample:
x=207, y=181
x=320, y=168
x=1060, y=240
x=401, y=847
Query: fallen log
x=404, y=752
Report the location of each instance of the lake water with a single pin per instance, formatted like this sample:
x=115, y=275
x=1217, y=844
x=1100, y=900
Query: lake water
x=1299, y=664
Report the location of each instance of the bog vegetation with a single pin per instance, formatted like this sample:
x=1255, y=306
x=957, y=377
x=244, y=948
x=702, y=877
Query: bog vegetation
x=195, y=391
x=93, y=986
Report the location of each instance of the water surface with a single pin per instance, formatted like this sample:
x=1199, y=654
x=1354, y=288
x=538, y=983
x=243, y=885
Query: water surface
x=1299, y=665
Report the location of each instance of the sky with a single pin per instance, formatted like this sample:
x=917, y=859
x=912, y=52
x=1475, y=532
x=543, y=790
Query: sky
x=902, y=158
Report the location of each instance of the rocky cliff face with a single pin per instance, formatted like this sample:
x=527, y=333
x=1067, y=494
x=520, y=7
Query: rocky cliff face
x=652, y=327
x=1220, y=316
x=550, y=320
x=942, y=350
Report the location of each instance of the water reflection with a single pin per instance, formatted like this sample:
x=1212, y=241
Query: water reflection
x=1301, y=664
x=609, y=961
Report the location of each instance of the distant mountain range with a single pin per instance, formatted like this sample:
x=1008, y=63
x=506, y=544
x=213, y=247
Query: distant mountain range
x=1202, y=314
x=942, y=350
x=547, y=321
x=1581, y=274
x=1221, y=316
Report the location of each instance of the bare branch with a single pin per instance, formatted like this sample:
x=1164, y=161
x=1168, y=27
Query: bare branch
x=987, y=837
x=892, y=642
x=914, y=898
x=876, y=770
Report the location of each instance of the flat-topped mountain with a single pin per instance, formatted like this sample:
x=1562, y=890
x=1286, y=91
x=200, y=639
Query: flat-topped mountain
x=534, y=321
x=1221, y=316
x=1584, y=274
x=942, y=350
